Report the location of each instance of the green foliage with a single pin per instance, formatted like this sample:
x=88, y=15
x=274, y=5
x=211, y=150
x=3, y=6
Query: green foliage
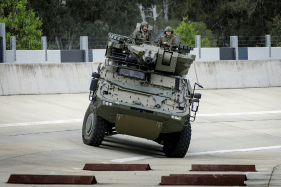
x=69, y=19
x=276, y=29
x=276, y=25
x=161, y=24
x=247, y=18
x=65, y=21
x=21, y=23
x=187, y=31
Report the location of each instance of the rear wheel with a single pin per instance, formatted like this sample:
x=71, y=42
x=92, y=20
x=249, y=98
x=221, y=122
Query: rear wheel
x=94, y=127
x=177, y=144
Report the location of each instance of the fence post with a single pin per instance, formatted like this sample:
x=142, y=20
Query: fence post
x=13, y=46
x=84, y=46
x=3, y=35
x=234, y=44
x=44, y=46
x=1, y=49
x=268, y=43
x=198, y=44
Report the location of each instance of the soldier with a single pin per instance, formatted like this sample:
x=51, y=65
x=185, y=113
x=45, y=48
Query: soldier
x=167, y=40
x=142, y=35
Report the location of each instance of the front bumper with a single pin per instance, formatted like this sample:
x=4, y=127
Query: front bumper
x=110, y=110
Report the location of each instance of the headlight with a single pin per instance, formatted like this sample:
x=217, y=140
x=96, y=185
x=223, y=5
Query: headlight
x=176, y=117
x=107, y=103
x=195, y=105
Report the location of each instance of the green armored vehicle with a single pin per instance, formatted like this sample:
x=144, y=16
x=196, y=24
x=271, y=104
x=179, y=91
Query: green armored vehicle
x=140, y=90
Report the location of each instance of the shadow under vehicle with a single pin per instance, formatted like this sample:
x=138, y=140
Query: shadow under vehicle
x=140, y=90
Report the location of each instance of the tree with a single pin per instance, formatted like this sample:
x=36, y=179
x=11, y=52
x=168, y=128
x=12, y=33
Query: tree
x=67, y=20
x=275, y=32
x=247, y=19
x=21, y=23
x=276, y=26
x=187, y=31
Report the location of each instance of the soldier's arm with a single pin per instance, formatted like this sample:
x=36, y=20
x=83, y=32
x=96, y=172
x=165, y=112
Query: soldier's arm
x=160, y=42
x=149, y=37
x=175, y=43
x=134, y=35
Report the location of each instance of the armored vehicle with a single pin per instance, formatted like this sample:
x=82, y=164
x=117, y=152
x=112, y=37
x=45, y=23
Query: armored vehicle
x=140, y=90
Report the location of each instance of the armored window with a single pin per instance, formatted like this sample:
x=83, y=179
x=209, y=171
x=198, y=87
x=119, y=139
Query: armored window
x=131, y=73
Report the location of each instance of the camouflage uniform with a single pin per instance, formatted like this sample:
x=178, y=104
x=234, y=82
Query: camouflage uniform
x=141, y=37
x=171, y=41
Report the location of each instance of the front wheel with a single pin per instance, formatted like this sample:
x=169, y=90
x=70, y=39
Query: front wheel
x=177, y=144
x=94, y=127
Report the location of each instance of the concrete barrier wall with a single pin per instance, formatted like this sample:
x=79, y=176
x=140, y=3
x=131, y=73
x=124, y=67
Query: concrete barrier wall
x=53, y=56
x=275, y=52
x=238, y=74
x=45, y=78
x=72, y=56
x=258, y=53
x=207, y=54
x=33, y=56
x=98, y=55
x=50, y=78
x=195, y=52
x=210, y=54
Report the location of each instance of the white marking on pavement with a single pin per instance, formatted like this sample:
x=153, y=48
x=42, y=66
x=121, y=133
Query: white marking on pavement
x=241, y=113
x=200, y=153
x=78, y=168
x=80, y=120
x=41, y=123
x=132, y=159
x=54, y=173
x=235, y=150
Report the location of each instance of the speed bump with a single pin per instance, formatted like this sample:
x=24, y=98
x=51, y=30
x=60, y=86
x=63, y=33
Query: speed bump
x=51, y=179
x=116, y=167
x=210, y=179
x=213, y=167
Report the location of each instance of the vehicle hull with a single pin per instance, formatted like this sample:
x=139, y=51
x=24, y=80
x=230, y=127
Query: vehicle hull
x=139, y=121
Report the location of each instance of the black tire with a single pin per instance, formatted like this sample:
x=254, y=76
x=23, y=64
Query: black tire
x=177, y=144
x=94, y=127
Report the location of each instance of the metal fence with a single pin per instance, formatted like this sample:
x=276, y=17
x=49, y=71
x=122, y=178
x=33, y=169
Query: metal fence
x=275, y=41
x=246, y=41
x=223, y=41
x=74, y=43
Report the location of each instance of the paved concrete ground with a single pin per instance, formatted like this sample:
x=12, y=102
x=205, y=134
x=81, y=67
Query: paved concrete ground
x=233, y=126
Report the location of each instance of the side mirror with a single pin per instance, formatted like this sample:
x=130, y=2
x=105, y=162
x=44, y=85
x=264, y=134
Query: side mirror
x=197, y=95
x=95, y=75
x=199, y=85
x=94, y=84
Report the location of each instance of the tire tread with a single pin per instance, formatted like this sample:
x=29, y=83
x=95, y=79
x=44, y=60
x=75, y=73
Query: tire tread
x=97, y=136
x=181, y=146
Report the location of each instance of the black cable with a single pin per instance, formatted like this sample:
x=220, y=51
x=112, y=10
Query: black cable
x=272, y=174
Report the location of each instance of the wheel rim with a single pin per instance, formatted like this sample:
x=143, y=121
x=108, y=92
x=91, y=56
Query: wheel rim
x=90, y=124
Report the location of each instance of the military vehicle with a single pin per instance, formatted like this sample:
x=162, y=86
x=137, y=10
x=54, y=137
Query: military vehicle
x=140, y=90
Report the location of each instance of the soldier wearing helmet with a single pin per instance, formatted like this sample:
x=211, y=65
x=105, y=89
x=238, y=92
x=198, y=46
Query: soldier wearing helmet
x=142, y=35
x=167, y=40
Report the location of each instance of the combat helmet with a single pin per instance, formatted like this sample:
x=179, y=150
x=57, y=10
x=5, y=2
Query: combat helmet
x=144, y=23
x=169, y=29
